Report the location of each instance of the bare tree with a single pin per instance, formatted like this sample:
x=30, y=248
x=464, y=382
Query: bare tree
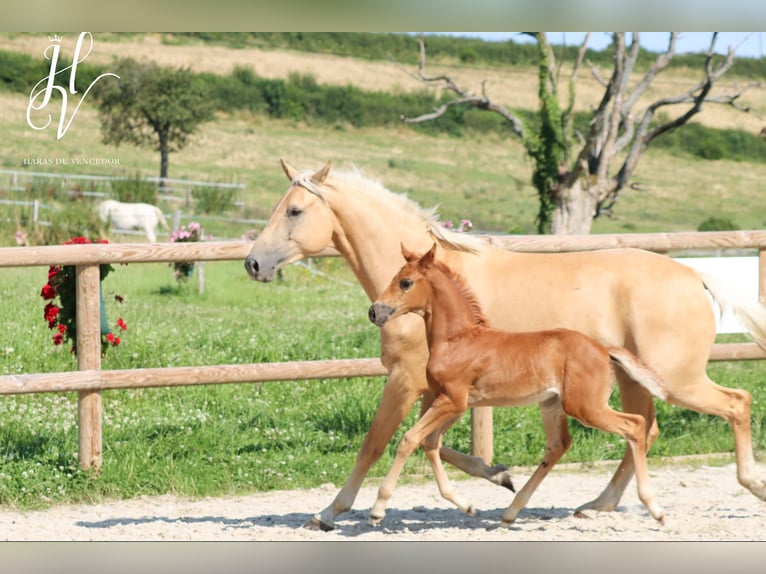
x=574, y=187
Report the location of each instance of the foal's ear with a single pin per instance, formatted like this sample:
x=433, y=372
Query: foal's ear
x=289, y=170
x=321, y=175
x=409, y=256
x=428, y=258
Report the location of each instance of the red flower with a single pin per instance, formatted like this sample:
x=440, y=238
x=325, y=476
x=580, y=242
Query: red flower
x=51, y=313
x=58, y=338
x=48, y=292
x=121, y=324
x=110, y=337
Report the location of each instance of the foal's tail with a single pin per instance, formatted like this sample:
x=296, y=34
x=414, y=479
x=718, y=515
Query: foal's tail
x=749, y=312
x=639, y=371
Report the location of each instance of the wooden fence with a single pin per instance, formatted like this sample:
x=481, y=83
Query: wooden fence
x=90, y=380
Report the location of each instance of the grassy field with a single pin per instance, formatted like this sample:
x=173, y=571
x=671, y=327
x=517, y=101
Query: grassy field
x=228, y=439
x=231, y=439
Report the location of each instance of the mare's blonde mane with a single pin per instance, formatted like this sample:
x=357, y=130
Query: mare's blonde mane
x=342, y=181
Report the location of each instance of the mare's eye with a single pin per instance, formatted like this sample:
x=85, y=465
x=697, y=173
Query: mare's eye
x=294, y=211
x=405, y=284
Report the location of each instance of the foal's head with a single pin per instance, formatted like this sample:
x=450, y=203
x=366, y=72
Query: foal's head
x=408, y=292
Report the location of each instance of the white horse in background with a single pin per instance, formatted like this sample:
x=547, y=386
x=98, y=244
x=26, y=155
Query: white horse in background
x=133, y=216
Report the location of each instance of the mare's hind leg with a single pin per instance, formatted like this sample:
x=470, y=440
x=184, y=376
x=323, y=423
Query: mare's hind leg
x=557, y=443
x=733, y=405
x=636, y=400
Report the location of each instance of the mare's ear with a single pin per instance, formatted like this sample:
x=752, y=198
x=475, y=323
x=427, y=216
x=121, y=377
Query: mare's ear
x=409, y=256
x=289, y=170
x=428, y=258
x=321, y=175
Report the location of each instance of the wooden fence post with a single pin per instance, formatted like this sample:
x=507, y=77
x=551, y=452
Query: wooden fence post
x=88, y=279
x=482, y=444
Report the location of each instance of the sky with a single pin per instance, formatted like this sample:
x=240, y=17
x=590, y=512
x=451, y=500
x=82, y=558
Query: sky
x=747, y=44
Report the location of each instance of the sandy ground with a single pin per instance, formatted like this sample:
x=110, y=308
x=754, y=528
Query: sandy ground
x=702, y=503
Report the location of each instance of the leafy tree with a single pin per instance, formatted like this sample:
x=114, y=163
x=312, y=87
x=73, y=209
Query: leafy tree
x=575, y=186
x=153, y=106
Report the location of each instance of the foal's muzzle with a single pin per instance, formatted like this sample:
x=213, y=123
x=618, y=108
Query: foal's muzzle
x=379, y=313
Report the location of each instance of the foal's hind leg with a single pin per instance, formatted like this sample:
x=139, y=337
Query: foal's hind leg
x=634, y=400
x=557, y=443
x=632, y=427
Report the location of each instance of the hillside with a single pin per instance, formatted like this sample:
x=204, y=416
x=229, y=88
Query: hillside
x=513, y=87
x=484, y=177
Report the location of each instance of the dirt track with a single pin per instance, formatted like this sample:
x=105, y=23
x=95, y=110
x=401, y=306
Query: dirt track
x=702, y=503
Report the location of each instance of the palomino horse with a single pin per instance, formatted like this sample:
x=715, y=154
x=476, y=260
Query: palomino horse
x=133, y=216
x=648, y=303
x=470, y=364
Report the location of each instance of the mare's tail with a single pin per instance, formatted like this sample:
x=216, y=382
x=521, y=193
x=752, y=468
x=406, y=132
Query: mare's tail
x=750, y=313
x=639, y=371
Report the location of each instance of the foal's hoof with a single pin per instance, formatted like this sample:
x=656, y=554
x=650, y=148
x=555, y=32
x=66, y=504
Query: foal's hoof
x=375, y=520
x=316, y=524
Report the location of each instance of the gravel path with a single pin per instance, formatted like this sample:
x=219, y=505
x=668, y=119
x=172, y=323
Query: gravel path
x=702, y=502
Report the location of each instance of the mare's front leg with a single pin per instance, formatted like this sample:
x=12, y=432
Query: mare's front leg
x=400, y=392
x=557, y=443
x=432, y=420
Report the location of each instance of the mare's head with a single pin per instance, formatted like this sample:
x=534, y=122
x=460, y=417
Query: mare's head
x=409, y=291
x=300, y=225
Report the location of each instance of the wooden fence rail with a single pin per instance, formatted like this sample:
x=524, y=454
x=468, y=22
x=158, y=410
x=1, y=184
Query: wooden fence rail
x=89, y=380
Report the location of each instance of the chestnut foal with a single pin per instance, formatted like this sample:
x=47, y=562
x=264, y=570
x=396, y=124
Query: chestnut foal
x=470, y=364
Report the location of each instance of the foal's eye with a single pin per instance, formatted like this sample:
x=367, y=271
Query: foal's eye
x=405, y=284
x=294, y=211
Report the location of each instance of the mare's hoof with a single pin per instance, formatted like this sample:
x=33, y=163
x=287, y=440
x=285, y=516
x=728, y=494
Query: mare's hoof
x=316, y=524
x=502, y=476
x=580, y=514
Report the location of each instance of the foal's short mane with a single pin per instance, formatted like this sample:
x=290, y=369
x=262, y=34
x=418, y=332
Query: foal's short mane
x=465, y=292
x=343, y=180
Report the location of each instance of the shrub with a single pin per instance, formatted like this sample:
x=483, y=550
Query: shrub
x=715, y=223
x=213, y=199
x=135, y=189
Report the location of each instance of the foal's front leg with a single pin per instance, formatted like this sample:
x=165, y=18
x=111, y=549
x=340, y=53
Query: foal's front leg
x=432, y=448
x=432, y=420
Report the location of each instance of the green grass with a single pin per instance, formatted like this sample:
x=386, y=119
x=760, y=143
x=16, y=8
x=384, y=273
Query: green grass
x=233, y=439
x=240, y=438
